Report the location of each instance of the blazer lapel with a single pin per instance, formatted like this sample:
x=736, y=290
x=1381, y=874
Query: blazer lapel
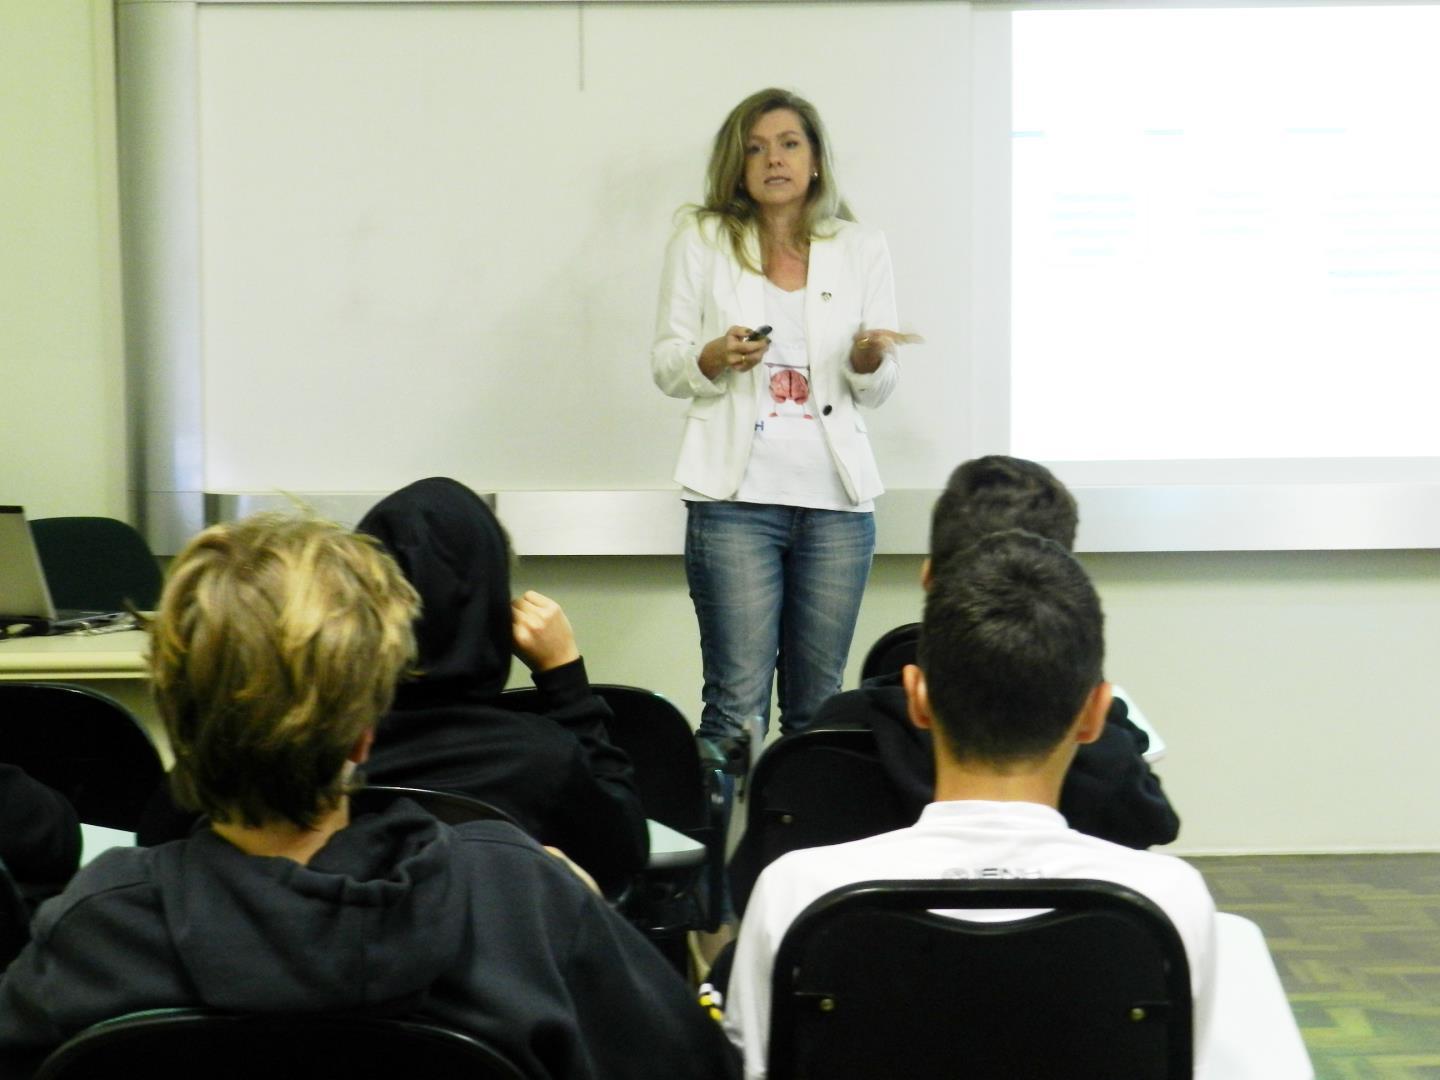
x=821, y=285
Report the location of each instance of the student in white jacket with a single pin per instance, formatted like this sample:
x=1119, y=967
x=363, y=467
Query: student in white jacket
x=773, y=318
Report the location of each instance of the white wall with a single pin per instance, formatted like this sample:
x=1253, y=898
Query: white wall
x=62, y=414
x=1299, y=693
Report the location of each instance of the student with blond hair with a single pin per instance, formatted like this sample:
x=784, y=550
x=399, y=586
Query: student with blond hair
x=276, y=648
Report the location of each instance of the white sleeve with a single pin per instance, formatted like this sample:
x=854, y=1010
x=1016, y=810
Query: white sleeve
x=675, y=354
x=872, y=389
x=747, y=999
x=1201, y=954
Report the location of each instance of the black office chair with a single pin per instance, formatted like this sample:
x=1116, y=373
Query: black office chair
x=679, y=790
x=811, y=789
x=675, y=790
x=891, y=652
x=164, y=821
x=869, y=981
x=96, y=564
x=450, y=807
x=182, y=1044
x=86, y=746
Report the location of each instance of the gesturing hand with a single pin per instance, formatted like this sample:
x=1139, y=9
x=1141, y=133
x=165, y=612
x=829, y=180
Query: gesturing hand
x=542, y=633
x=870, y=347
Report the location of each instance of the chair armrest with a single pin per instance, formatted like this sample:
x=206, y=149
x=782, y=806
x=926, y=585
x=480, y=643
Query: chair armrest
x=719, y=794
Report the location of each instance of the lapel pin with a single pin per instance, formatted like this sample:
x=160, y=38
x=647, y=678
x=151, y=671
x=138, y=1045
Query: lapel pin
x=825, y=296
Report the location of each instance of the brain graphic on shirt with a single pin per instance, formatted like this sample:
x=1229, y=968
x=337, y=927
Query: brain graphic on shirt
x=789, y=385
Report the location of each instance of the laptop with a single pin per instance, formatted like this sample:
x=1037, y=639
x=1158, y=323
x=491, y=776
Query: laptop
x=25, y=605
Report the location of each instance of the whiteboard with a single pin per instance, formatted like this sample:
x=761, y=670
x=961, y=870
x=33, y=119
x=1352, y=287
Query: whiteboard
x=431, y=234
x=369, y=242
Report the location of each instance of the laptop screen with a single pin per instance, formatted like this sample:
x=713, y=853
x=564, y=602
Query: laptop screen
x=23, y=592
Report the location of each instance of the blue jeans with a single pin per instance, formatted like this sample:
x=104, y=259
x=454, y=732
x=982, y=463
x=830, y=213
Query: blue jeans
x=777, y=590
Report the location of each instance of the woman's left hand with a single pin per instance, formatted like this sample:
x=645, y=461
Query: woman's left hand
x=870, y=347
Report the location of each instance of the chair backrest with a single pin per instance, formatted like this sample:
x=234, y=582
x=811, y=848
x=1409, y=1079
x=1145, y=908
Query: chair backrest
x=891, y=652
x=86, y=746
x=182, y=1044
x=674, y=788
x=96, y=564
x=658, y=740
x=810, y=789
x=871, y=981
x=164, y=821
x=450, y=807
x=14, y=918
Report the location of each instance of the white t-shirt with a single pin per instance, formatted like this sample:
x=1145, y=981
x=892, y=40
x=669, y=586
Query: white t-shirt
x=790, y=462
x=960, y=840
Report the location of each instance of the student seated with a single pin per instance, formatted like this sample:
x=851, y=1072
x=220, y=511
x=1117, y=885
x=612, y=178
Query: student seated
x=554, y=771
x=1110, y=791
x=275, y=649
x=1010, y=682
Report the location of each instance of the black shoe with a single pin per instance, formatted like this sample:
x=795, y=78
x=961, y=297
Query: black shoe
x=729, y=753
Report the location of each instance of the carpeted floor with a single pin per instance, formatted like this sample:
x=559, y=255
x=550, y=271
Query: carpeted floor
x=1356, y=939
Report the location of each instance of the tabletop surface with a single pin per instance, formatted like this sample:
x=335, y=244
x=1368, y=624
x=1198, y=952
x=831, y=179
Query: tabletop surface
x=121, y=652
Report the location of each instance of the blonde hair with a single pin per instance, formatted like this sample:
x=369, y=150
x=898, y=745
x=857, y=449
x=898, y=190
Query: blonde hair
x=277, y=644
x=728, y=201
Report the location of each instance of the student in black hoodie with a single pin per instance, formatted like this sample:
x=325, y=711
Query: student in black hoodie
x=1109, y=790
x=555, y=772
x=275, y=650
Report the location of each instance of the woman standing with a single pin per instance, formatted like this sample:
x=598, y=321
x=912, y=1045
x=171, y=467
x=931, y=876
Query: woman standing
x=773, y=309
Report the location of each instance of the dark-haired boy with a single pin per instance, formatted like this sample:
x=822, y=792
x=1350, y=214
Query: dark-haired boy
x=1110, y=791
x=1010, y=680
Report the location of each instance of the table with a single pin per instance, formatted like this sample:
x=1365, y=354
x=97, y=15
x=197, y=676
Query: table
x=670, y=849
x=113, y=664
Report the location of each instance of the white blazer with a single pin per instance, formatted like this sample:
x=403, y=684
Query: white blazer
x=704, y=292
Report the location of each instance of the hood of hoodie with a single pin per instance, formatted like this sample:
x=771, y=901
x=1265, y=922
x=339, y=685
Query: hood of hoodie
x=454, y=551
x=371, y=922
x=907, y=753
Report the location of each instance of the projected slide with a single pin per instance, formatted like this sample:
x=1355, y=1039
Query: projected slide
x=1226, y=234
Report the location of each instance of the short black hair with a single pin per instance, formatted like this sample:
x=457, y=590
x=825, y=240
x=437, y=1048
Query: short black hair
x=988, y=494
x=1012, y=643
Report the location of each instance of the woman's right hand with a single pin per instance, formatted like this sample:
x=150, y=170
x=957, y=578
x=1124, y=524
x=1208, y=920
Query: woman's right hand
x=732, y=353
